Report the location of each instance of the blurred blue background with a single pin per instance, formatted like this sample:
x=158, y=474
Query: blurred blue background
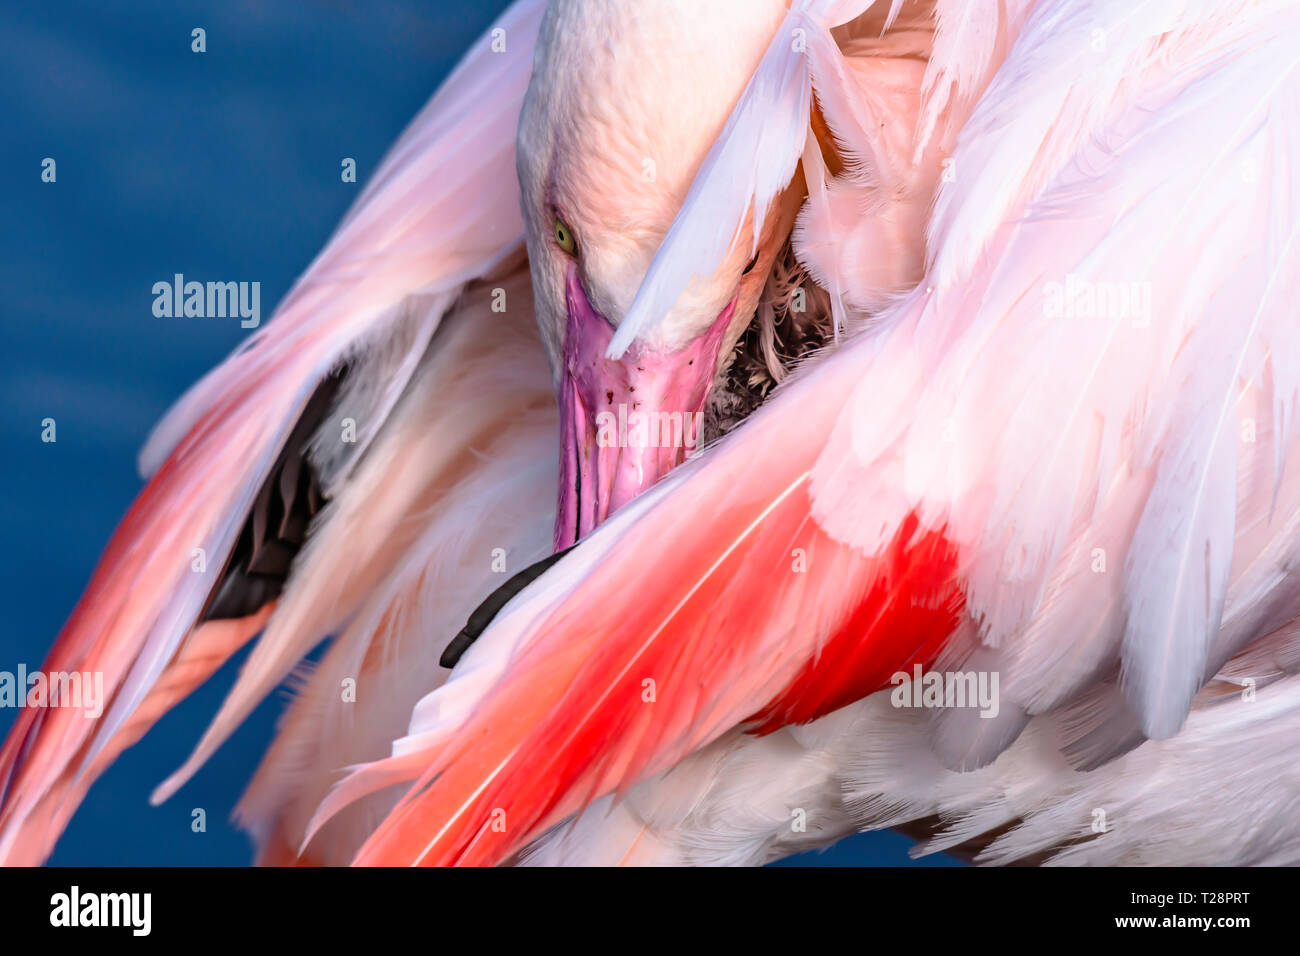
x=221, y=165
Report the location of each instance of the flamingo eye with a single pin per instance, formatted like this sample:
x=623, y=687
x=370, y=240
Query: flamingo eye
x=564, y=237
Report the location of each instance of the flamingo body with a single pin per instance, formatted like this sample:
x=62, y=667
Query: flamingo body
x=1039, y=261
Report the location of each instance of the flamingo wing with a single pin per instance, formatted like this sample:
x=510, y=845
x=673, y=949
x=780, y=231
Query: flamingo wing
x=457, y=490
x=932, y=490
x=251, y=452
x=746, y=800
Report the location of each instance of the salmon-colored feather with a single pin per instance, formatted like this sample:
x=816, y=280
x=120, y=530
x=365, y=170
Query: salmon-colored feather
x=752, y=613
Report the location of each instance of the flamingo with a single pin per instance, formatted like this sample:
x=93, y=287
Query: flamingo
x=978, y=319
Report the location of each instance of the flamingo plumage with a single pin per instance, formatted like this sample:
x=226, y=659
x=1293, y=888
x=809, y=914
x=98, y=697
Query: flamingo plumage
x=986, y=310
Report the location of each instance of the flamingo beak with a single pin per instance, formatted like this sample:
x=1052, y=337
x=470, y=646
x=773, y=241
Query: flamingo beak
x=625, y=423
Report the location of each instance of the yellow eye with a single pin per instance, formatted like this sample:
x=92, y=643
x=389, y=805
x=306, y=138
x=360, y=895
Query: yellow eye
x=564, y=238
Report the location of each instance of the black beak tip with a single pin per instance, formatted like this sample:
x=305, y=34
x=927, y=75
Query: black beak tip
x=456, y=649
x=492, y=605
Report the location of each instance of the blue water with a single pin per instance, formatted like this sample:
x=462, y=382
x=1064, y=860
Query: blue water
x=220, y=165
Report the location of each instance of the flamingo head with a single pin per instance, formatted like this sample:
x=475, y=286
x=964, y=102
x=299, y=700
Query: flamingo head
x=626, y=100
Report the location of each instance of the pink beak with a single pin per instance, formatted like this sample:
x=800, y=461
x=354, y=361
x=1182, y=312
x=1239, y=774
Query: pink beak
x=624, y=423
